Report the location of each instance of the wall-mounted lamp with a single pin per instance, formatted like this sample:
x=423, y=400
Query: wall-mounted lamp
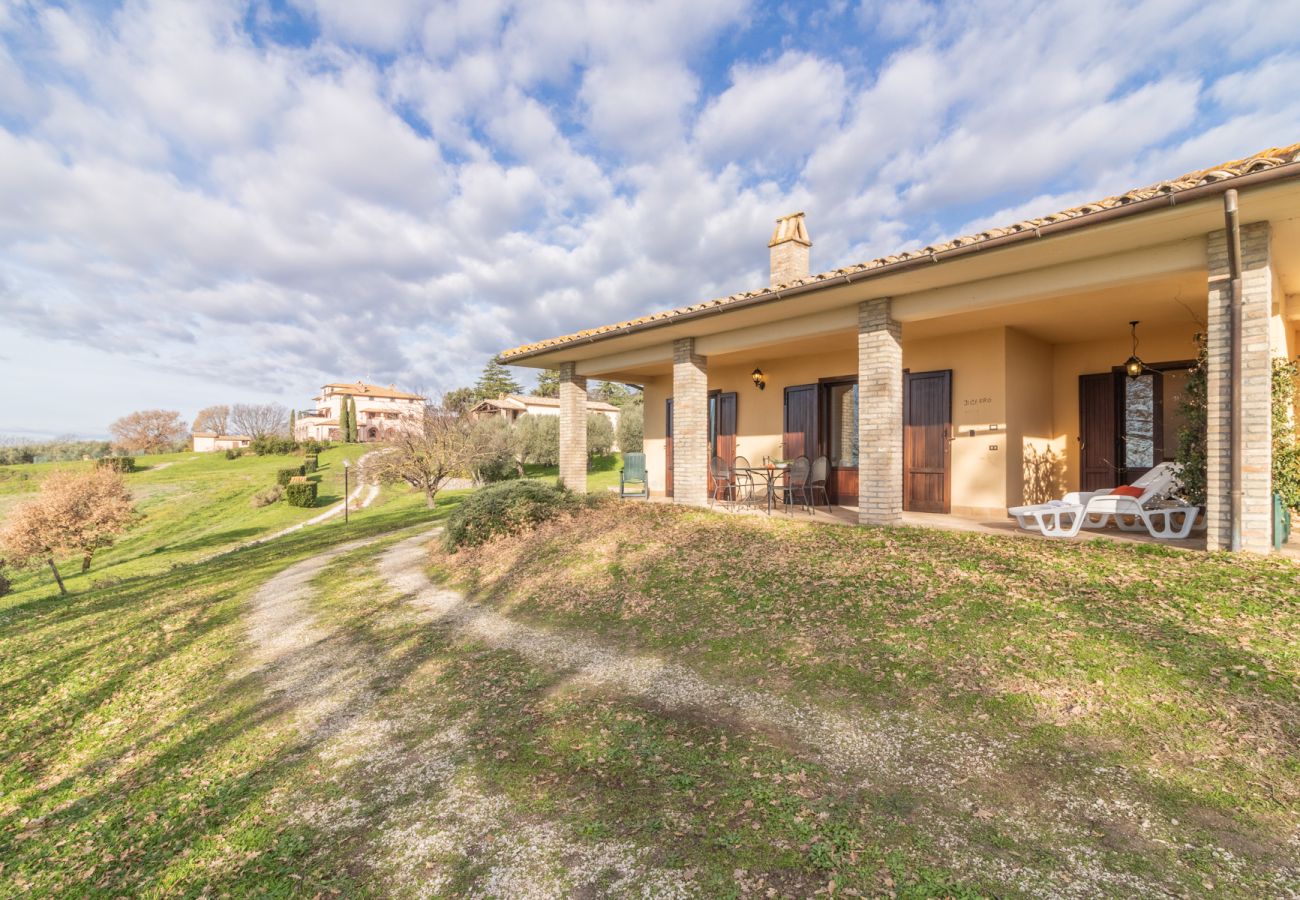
x=759, y=381
x=1133, y=366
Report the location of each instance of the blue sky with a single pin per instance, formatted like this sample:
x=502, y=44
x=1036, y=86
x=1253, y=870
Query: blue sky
x=238, y=201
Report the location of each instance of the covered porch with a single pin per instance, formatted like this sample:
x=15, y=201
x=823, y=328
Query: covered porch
x=996, y=370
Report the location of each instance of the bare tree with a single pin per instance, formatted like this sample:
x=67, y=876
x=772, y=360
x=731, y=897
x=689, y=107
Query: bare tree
x=149, y=431
x=256, y=420
x=427, y=453
x=213, y=418
x=75, y=512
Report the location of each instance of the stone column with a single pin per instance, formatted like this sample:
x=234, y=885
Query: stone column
x=1256, y=392
x=573, y=429
x=880, y=414
x=690, y=424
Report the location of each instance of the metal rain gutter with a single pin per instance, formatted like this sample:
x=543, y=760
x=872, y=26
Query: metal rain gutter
x=1234, y=366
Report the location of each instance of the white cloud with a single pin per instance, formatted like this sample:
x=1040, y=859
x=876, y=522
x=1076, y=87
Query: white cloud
x=188, y=197
x=774, y=114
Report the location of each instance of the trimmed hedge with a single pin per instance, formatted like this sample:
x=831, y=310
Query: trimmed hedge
x=506, y=508
x=310, y=464
x=301, y=493
x=282, y=477
x=117, y=463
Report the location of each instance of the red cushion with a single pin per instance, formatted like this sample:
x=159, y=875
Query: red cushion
x=1127, y=490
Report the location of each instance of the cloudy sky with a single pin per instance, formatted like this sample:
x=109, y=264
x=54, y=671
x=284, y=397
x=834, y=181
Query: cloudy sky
x=225, y=201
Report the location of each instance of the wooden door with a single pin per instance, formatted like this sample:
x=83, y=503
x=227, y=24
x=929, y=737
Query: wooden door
x=668, y=447
x=1098, y=467
x=839, y=438
x=725, y=443
x=927, y=433
x=800, y=430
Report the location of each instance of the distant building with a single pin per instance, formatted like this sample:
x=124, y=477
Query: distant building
x=511, y=406
x=210, y=441
x=380, y=411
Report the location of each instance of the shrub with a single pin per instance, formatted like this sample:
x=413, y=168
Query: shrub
x=1286, y=449
x=600, y=434
x=314, y=447
x=301, y=493
x=122, y=464
x=507, y=508
x=267, y=497
x=283, y=476
x=232, y=453
x=310, y=464
x=272, y=445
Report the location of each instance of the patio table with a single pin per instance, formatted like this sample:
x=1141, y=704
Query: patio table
x=769, y=475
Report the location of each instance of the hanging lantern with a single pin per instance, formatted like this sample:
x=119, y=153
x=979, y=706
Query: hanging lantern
x=1133, y=366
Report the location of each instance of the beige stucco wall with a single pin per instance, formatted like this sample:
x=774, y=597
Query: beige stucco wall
x=1035, y=457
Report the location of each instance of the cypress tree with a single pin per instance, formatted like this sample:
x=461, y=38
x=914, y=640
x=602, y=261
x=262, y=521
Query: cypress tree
x=344, y=427
x=352, y=420
x=293, y=421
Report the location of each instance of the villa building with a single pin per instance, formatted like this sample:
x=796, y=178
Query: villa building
x=380, y=411
x=511, y=406
x=984, y=372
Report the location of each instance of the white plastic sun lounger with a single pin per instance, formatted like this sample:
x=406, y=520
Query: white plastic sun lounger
x=1095, y=509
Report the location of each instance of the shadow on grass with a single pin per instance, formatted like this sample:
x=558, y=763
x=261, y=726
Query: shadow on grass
x=82, y=791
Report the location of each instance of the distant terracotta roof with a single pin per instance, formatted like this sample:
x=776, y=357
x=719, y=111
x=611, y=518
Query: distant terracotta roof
x=1267, y=159
x=220, y=437
x=362, y=389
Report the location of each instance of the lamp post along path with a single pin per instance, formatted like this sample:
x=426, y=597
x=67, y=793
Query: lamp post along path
x=346, y=466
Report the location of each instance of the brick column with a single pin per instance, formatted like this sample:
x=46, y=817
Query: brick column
x=573, y=429
x=880, y=414
x=690, y=424
x=1256, y=392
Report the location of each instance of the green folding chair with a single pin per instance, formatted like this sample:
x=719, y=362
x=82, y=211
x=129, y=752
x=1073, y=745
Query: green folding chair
x=633, y=472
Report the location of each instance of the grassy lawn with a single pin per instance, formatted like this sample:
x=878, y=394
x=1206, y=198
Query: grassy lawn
x=602, y=473
x=1176, y=675
x=1047, y=718
x=139, y=755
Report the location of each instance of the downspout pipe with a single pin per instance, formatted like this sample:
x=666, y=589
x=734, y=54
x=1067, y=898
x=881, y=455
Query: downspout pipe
x=1233, y=228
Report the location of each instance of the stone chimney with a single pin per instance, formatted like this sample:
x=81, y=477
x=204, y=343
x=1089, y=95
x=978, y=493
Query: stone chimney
x=790, y=249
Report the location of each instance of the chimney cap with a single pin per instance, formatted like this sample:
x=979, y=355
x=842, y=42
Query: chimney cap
x=790, y=228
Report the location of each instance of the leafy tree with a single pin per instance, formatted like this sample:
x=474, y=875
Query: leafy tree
x=600, y=434
x=344, y=427
x=614, y=393
x=631, y=428
x=213, y=418
x=537, y=440
x=75, y=512
x=460, y=400
x=548, y=384
x=495, y=381
x=428, y=452
x=499, y=458
x=257, y=420
x=149, y=431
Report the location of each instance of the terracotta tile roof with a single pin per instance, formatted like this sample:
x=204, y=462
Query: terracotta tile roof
x=362, y=389
x=1266, y=159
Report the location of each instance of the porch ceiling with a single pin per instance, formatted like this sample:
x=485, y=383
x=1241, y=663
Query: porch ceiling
x=1090, y=315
